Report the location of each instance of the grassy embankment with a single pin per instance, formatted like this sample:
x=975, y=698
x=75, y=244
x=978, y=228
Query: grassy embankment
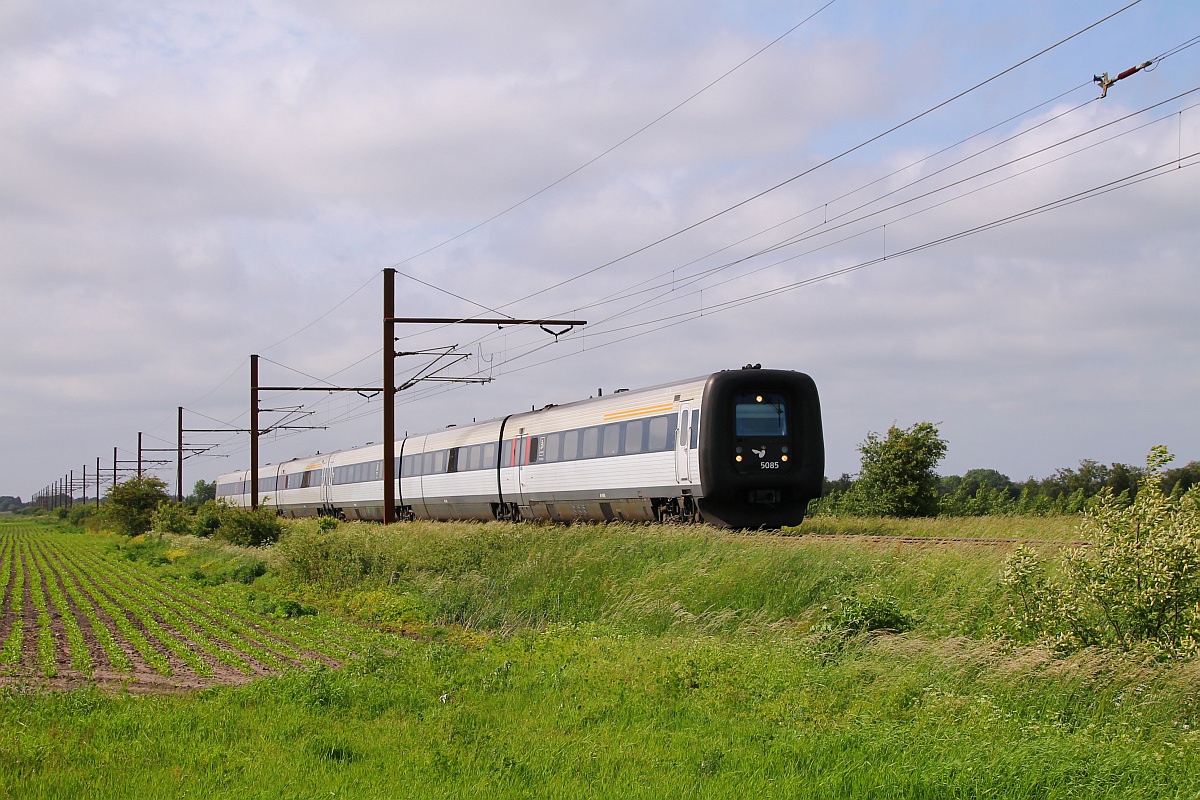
x=632, y=662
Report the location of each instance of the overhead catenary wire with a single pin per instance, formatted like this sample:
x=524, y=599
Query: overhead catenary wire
x=823, y=163
x=1158, y=171
x=873, y=201
x=827, y=229
x=594, y=332
x=674, y=319
x=1166, y=54
x=848, y=151
x=825, y=204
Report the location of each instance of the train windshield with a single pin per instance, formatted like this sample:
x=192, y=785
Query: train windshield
x=760, y=414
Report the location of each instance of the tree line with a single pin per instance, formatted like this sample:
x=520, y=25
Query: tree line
x=898, y=478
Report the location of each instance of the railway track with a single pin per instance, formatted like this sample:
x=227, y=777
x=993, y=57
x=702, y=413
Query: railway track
x=884, y=538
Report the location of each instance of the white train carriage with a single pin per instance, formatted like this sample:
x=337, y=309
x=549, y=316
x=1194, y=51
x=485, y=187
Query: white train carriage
x=741, y=448
x=232, y=488
x=450, y=474
x=296, y=488
x=630, y=456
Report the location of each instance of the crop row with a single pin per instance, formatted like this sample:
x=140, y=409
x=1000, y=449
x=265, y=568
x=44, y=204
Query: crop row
x=75, y=610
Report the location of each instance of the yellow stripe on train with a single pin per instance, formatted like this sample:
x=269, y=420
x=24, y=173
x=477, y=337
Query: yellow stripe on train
x=639, y=412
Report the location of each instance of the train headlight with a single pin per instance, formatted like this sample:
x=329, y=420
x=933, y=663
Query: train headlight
x=737, y=458
x=783, y=458
x=758, y=399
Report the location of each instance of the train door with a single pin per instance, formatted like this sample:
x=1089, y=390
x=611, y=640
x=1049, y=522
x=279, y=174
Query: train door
x=275, y=500
x=512, y=453
x=683, y=443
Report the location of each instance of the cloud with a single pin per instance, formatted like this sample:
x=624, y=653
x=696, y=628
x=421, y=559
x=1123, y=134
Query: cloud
x=183, y=185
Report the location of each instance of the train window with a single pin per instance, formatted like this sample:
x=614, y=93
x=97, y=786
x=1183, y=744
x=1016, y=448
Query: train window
x=591, y=443
x=427, y=463
x=570, y=446
x=311, y=478
x=695, y=428
x=489, y=455
x=377, y=470
x=533, y=450
x=396, y=467
x=661, y=433
x=452, y=459
x=553, y=447
x=635, y=436
x=760, y=414
x=612, y=439
x=683, y=428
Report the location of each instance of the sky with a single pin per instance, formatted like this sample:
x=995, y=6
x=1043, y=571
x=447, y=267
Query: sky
x=905, y=201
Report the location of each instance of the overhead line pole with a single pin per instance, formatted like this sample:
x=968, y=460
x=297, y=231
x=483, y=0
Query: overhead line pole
x=389, y=388
x=254, y=431
x=389, y=373
x=389, y=471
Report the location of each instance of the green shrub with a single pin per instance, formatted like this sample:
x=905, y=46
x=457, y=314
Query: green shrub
x=131, y=505
x=248, y=527
x=148, y=550
x=855, y=615
x=207, y=519
x=80, y=514
x=327, y=524
x=246, y=573
x=1136, y=585
x=171, y=517
x=275, y=607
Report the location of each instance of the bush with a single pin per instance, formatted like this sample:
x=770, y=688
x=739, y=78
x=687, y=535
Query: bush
x=172, y=517
x=80, y=514
x=207, y=519
x=275, y=607
x=131, y=505
x=874, y=614
x=897, y=477
x=1137, y=585
x=248, y=527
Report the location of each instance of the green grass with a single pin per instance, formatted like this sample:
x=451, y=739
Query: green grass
x=619, y=661
x=1052, y=528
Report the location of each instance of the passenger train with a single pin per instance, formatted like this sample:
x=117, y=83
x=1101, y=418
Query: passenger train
x=739, y=448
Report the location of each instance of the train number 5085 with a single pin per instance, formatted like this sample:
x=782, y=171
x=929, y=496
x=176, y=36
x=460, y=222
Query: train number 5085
x=768, y=464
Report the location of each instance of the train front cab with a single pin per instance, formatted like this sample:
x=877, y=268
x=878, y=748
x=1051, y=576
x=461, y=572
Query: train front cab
x=762, y=451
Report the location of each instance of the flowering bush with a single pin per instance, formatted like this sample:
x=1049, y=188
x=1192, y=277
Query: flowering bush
x=1135, y=585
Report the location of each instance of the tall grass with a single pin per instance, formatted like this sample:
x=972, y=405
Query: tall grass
x=1062, y=528
x=643, y=579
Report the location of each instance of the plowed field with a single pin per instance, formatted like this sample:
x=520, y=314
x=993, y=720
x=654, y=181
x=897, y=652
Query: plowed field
x=74, y=612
